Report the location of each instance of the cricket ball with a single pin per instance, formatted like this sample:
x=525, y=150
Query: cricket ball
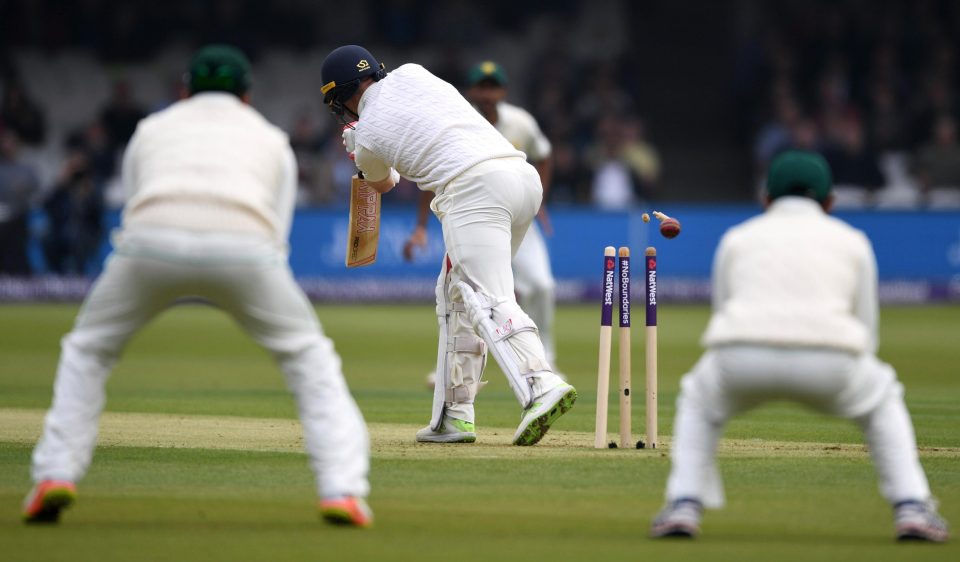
x=670, y=227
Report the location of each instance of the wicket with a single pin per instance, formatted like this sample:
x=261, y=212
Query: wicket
x=606, y=336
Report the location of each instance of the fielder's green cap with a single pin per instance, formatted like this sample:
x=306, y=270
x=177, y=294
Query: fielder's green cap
x=798, y=172
x=219, y=68
x=487, y=70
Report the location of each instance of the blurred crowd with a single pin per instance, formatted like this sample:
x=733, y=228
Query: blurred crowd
x=870, y=85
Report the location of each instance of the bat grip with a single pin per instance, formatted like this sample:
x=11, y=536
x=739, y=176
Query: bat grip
x=359, y=174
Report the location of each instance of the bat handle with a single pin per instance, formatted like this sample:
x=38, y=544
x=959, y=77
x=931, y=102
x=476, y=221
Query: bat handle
x=360, y=174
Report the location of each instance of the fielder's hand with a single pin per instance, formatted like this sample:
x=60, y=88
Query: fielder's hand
x=417, y=240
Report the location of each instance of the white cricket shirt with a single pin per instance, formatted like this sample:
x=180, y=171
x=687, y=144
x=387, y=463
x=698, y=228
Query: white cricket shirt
x=795, y=276
x=210, y=163
x=423, y=128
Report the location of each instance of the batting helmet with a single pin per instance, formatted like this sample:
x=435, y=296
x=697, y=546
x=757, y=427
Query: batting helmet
x=342, y=71
x=219, y=68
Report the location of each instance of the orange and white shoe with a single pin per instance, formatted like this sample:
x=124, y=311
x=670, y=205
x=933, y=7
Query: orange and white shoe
x=346, y=510
x=47, y=499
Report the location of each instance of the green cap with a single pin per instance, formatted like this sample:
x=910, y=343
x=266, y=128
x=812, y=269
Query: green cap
x=802, y=173
x=219, y=68
x=487, y=70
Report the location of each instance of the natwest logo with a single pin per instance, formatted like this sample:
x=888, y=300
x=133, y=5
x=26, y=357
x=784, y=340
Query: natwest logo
x=652, y=287
x=608, y=288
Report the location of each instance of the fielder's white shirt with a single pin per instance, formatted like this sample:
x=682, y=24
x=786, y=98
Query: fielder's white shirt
x=521, y=129
x=423, y=128
x=210, y=163
x=795, y=276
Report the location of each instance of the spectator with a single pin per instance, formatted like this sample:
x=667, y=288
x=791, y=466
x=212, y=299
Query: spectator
x=938, y=163
x=620, y=179
x=569, y=183
x=121, y=115
x=805, y=135
x=75, y=210
x=93, y=141
x=640, y=155
x=887, y=124
x=18, y=183
x=938, y=99
x=307, y=140
x=854, y=163
x=774, y=136
x=21, y=115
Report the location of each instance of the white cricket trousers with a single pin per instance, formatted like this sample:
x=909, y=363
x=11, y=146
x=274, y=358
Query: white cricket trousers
x=247, y=277
x=485, y=213
x=536, y=287
x=732, y=379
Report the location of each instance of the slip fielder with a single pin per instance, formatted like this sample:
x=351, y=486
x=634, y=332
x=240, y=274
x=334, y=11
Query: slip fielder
x=795, y=315
x=211, y=188
x=413, y=124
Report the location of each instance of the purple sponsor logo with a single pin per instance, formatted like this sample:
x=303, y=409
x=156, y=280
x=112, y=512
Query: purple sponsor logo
x=606, y=316
x=625, y=292
x=651, y=291
x=652, y=287
x=608, y=288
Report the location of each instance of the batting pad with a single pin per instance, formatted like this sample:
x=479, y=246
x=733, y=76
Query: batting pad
x=511, y=336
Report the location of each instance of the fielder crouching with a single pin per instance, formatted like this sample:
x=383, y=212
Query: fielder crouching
x=795, y=314
x=211, y=189
x=412, y=124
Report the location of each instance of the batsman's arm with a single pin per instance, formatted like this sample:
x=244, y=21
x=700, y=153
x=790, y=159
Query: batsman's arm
x=418, y=239
x=376, y=172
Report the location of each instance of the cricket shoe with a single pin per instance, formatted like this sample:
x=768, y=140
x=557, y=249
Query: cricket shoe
x=919, y=521
x=451, y=431
x=47, y=499
x=680, y=518
x=347, y=511
x=545, y=410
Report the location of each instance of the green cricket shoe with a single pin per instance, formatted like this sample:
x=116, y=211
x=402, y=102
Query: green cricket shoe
x=451, y=431
x=545, y=410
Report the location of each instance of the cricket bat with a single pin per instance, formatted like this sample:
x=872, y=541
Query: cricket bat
x=363, y=233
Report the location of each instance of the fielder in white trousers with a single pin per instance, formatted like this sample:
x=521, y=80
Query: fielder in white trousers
x=732, y=379
x=211, y=187
x=248, y=278
x=795, y=317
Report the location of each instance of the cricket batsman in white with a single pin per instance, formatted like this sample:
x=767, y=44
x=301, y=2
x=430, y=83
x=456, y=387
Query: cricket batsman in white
x=795, y=314
x=412, y=124
x=532, y=274
x=211, y=188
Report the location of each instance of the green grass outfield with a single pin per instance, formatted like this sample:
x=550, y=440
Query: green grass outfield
x=200, y=458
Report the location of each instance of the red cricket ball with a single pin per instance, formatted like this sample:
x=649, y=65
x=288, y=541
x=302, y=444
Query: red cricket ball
x=670, y=228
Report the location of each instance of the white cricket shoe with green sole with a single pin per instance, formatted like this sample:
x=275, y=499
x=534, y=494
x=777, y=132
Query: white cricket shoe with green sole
x=452, y=431
x=545, y=410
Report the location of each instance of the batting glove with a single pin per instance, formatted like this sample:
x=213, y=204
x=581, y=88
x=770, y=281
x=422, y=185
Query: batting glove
x=349, y=130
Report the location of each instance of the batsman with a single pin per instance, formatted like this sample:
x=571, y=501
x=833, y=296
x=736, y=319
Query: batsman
x=412, y=124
